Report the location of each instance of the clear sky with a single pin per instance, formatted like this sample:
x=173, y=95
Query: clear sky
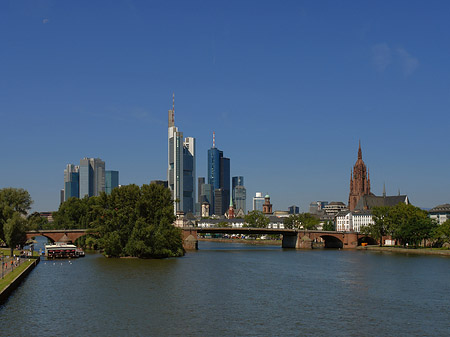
x=289, y=87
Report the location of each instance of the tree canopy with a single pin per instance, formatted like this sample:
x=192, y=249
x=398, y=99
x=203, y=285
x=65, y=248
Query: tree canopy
x=301, y=221
x=131, y=221
x=256, y=219
x=14, y=205
x=406, y=223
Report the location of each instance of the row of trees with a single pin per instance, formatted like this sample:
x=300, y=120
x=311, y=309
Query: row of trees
x=132, y=221
x=14, y=205
x=407, y=224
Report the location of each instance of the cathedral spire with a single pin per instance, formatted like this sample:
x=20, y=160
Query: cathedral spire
x=359, y=150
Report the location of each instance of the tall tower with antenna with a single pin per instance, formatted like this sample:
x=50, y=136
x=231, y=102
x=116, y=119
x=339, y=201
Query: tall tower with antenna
x=181, y=170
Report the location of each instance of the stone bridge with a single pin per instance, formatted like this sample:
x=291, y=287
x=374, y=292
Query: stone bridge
x=59, y=235
x=292, y=238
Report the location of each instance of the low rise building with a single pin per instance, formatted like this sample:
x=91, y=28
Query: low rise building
x=353, y=221
x=440, y=213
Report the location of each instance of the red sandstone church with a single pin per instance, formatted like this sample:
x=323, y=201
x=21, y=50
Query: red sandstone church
x=360, y=198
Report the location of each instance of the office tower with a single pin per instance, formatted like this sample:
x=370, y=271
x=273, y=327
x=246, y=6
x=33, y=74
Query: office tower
x=236, y=181
x=240, y=198
x=198, y=204
x=71, y=182
x=258, y=201
x=201, y=181
x=92, y=177
x=294, y=209
x=181, y=166
x=111, y=181
x=219, y=177
x=61, y=196
x=189, y=175
x=220, y=202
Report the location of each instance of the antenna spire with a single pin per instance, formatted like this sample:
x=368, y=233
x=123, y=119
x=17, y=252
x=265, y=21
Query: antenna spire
x=173, y=102
x=214, y=139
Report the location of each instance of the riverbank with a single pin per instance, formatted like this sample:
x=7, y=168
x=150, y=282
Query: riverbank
x=249, y=242
x=12, y=280
x=418, y=251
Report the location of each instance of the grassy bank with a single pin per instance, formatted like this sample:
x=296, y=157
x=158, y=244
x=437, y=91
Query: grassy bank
x=6, y=251
x=424, y=251
x=8, y=278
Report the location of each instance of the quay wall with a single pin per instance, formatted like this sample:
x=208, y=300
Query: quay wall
x=4, y=294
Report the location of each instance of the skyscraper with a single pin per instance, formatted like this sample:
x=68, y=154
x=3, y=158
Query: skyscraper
x=181, y=166
x=111, y=181
x=92, y=177
x=71, y=182
x=219, y=178
x=258, y=201
x=88, y=179
x=240, y=198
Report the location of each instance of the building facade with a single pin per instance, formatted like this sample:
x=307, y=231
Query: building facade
x=71, y=182
x=111, y=181
x=440, y=213
x=240, y=198
x=258, y=201
x=353, y=221
x=92, y=177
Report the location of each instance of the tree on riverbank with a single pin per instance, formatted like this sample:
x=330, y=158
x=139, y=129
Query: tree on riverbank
x=405, y=223
x=256, y=219
x=14, y=205
x=304, y=221
x=132, y=221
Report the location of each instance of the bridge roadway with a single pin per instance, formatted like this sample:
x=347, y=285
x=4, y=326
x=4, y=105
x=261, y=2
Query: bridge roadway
x=292, y=238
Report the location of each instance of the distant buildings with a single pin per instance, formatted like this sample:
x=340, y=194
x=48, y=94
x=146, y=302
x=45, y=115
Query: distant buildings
x=316, y=206
x=440, y=213
x=258, y=201
x=181, y=169
x=294, y=209
x=88, y=179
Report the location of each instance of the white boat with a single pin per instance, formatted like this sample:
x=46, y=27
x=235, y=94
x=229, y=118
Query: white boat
x=60, y=250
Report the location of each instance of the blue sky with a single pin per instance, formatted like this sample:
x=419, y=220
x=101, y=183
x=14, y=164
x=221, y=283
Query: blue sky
x=289, y=88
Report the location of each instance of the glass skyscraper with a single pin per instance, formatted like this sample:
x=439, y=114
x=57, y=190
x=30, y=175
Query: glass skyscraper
x=92, y=177
x=111, y=181
x=219, y=178
x=181, y=169
x=71, y=182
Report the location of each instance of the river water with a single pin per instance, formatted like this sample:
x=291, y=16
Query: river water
x=235, y=290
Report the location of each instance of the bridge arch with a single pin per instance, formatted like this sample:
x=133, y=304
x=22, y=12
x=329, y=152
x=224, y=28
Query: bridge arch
x=332, y=241
x=367, y=239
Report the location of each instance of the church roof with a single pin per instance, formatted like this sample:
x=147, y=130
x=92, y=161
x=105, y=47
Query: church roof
x=371, y=201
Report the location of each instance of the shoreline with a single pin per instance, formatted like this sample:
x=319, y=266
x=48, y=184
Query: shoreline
x=416, y=251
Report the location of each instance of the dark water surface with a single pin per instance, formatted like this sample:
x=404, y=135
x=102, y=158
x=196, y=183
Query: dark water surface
x=235, y=290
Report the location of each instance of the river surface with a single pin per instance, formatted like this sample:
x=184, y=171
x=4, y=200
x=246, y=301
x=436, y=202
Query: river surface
x=235, y=290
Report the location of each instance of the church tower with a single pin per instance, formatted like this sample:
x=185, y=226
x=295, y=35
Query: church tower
x=359, y=181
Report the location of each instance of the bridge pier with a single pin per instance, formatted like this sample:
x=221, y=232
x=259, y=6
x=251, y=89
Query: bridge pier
x=189, y=237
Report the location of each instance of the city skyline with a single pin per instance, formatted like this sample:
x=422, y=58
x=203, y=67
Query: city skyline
x=288, y=88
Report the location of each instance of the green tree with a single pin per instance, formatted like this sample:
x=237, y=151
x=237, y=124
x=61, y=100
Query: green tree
x=15, y=231
x=328, y=226
x=381, y=225
x=441, y=233
x=410, y=224
x=291, y=222
x=256, y=219
x=13, y=200
x=36, y=222
x=308, y=221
